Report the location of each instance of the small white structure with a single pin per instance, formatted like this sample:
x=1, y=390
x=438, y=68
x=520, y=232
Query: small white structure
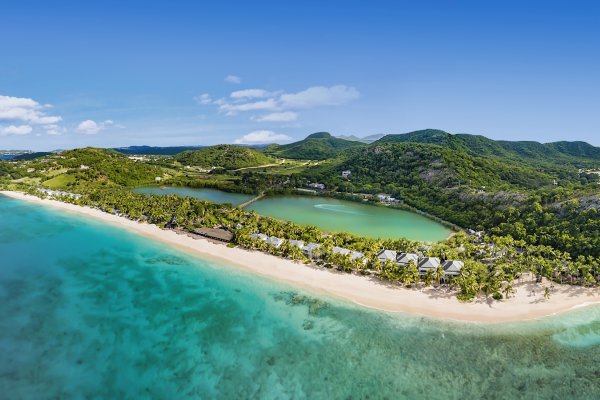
x=317, y=185
x=259, y=236
x=310, y=249
x=84, y=167
x=385, y=255
x=157, y=179
x=386, y=198
x=275, y=241
x=341, y=250
x=405, y=258
x=346, y=174
x=428, y=263
x=452, y=267
x=297, y=243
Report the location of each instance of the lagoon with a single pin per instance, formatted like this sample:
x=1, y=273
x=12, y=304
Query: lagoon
x=331, y=215
x=335, y=215
x=213, y=195
x=89, y=310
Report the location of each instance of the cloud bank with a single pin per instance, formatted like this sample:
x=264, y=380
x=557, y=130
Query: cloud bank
x=19, y=115
x=262, y=137
x=281, y=106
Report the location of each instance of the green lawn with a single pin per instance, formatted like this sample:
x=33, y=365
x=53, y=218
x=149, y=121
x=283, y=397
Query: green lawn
x=59, y=181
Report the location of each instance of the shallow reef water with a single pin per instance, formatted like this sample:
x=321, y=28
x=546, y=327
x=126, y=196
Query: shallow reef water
x=89, y=310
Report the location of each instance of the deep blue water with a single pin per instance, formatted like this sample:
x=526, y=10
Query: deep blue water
x=89, y=310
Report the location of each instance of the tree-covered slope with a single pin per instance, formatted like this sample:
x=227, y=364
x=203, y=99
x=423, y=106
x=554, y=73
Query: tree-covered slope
x=576, y=154
x=105, y=167
x=318, y=146
x=224, y=156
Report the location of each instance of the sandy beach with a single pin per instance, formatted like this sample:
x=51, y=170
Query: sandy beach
x=366, y=291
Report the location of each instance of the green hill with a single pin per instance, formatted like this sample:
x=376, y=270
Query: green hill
x=86, y=168
x=224, y=156
x=318, y=146
x=575, y=154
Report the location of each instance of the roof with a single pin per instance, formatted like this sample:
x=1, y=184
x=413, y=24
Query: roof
x=387, y=255
x=260, y=236
x=297, y=243
x=214, y=233
x=429, y=263
x=405, y=258
x=341, y=250
x=311, y=246
x=452, y=267
x=356, y=254
x=275, y=241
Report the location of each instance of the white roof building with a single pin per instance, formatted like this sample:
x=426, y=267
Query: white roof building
x=297, y=243
x=275, y=241
x=341, y=250
x=385, y=255
x=260, y=236
x=428, y=263
x=452, y=267
x=309, y=249
x=405, y=258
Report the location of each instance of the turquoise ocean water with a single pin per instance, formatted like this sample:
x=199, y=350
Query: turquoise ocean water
x=89, y=310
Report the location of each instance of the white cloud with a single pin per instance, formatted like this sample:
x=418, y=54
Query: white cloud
x=318, y=96
x=15, y=130
x=90, y=127
x=29, y=111
x=54, y=130
x=233, y=79
x=285, y=116
x=203, y=99
x=233, y=109
x=283, y=107
x=262, y=137
x=251, y=93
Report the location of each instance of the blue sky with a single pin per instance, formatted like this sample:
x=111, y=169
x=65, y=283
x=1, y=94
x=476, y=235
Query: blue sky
x=75, y=74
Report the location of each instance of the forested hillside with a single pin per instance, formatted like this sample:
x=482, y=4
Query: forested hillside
x=318, y=146
x=224, y=156
x=575, y=154
x=501, y=195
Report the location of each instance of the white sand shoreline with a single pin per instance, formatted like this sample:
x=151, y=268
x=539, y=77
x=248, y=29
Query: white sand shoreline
x=363, y=291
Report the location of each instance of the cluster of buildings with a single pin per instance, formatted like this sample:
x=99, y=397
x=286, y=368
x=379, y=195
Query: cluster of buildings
x=386, y=198
x=310, y=250
x=451, y=268
x=423, y=264
x=58, y=193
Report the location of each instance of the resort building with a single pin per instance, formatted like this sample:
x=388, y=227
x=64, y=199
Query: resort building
x=346, y=174
x=275, y=241
x=340, y=250
x=317, y=185
x=356, y=254
x=385, y=255
x=452, y=268
x=428, y=263
x=297, y=243
x=405, y=258
x=260, y=236
x=214, y=233
x=310, y=249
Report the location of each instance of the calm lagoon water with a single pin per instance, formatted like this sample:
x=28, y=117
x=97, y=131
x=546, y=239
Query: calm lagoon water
x=214, y=195
x=88, y=310
x=335, y=215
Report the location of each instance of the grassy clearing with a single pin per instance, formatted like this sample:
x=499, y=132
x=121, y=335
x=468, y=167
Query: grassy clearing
x=59, y=181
